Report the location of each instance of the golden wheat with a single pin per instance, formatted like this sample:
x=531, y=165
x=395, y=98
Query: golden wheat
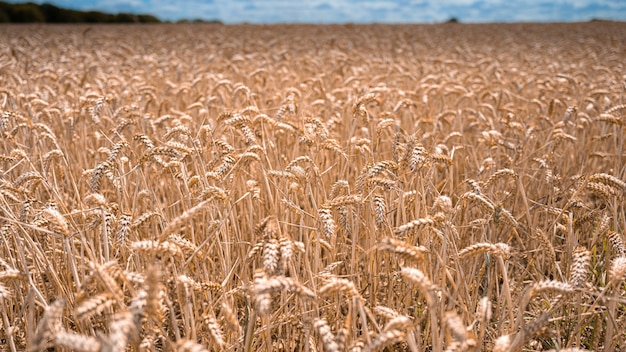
x=297, y=187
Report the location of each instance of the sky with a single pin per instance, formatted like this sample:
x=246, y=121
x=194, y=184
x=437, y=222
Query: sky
x=360, y=11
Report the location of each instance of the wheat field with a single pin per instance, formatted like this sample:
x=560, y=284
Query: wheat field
x=448, y=187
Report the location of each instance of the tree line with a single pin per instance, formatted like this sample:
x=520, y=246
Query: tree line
x=48, y=13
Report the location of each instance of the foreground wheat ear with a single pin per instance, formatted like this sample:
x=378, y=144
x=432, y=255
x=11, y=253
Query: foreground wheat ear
x=313, y=188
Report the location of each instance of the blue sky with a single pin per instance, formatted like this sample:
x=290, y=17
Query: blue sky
x=360, y=11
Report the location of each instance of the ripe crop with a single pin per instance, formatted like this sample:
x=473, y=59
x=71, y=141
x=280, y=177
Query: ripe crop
x=452, y=187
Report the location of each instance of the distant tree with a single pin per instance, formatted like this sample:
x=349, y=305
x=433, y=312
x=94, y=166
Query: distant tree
x=28, y=12
x=31, y=12
x=4, y=15
x=126, y=18
x=452, y=20
x=148, y=19
x=99, y=17
x=200, y=20
x=55, y=14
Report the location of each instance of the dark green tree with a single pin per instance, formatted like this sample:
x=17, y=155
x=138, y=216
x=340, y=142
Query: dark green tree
x=31, y=12
x=28, y=12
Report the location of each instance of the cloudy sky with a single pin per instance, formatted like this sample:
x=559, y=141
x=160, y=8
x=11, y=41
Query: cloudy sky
x=360, y=11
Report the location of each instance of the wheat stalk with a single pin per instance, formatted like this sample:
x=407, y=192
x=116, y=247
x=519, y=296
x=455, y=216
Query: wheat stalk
x=138, y=189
